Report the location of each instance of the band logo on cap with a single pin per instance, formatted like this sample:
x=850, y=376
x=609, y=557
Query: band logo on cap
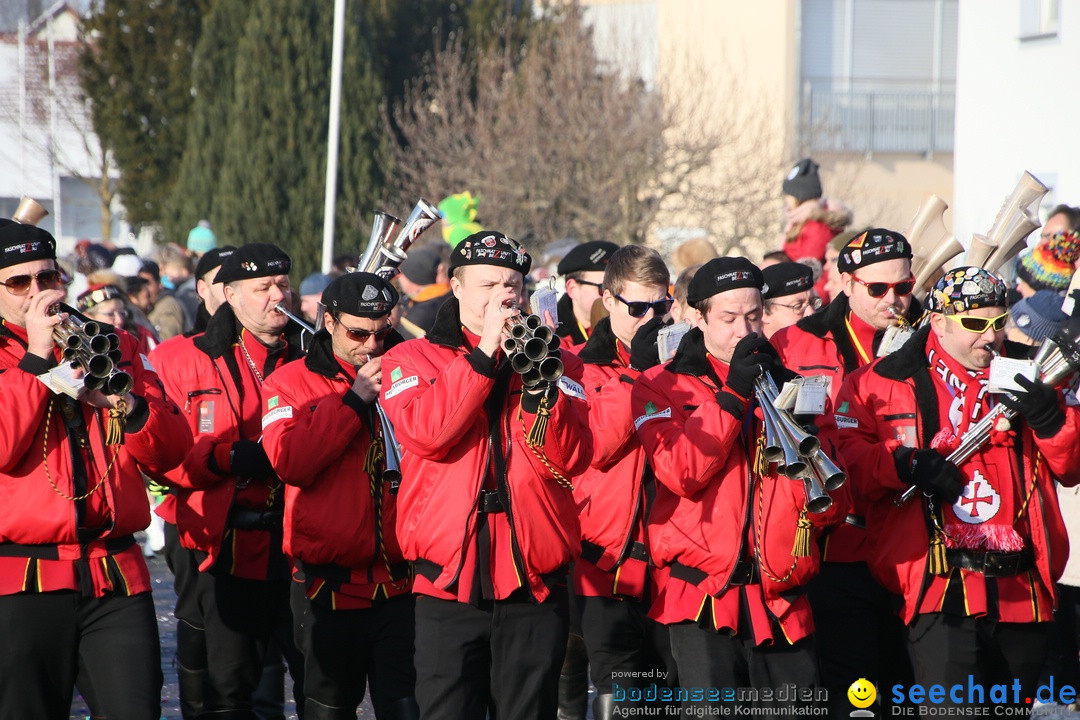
x=25, y=248
x=490, y=250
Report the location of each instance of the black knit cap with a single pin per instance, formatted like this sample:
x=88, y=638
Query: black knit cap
x=490, y=247
x=362, y=294
x=24, y=243
x=421, y=266
x=586, y=257
x=786, y=278
x=212, y=259
x=254, y=260
x=873, y=246
x=722, y=274
x=803, y=181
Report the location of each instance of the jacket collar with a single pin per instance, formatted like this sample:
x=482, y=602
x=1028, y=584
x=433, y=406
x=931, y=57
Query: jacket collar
x=447, y=328
x=321, y=359
x=223, y=331
x=600, y=348
x=833, y=319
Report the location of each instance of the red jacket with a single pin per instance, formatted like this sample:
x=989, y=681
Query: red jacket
x=821, y=345
x=434, y=392
x=892, y=402
x=32, y=511
x=317, y=432
x=204, y=378
x=703, y=507
x=610, y=494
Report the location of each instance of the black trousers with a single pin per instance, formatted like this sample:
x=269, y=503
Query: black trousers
x=709, y=659
x=945, y=649
x=505, y=655
x=240, y=617
x=1063, y=658
x=624, y=645
x=45, y=636
x=859, y=635
x=345, y=649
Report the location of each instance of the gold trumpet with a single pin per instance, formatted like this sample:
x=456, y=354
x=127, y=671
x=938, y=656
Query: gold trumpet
x=797, y=453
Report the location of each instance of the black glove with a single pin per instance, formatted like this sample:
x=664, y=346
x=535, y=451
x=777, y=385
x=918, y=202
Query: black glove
x=748, y=362
x=247, y=459
x=928, y=470
x=644, y=353
x=1039, y=405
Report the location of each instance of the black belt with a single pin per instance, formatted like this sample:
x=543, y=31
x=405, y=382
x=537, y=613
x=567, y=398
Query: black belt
x=490, y=502
x=745, y=572
x=52, y=551
x=242, y=518
x=593, y=552
x=991, y=563
x=337, y=575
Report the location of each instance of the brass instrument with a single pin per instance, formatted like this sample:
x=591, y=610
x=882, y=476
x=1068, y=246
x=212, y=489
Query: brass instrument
x=1017, y=218
x=29, y=212
x=382, y=255
x=797, y=454
x=86, y=347
x=931, y=244
x=531, y=347
x=392, y=472
x=307, y=333
x=1058, y=358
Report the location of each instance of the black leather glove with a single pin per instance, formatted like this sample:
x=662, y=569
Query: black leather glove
x=748, y=362
x=644, y=353
x=1039, y=405
x=248, y=459
x=928, y=470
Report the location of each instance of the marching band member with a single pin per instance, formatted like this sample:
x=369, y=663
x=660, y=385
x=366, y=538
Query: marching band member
x=229, y=502
x=976, y=553
x=861, y=636
x=485, y=509
x=74, y=586
x=611, y=578
x=352, y=610
x=735, y=537
x=583, y=268
x=788, y=296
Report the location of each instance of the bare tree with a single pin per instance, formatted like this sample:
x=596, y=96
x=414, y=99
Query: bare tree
x=556, y=145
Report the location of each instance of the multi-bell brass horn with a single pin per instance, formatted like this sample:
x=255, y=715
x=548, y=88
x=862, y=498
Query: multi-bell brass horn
x=376, y=253
x=931, y=244
x=29, y=212
x=1017, y=218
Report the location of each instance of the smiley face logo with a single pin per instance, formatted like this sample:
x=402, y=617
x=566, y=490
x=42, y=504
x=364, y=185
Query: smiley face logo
x=862, y=693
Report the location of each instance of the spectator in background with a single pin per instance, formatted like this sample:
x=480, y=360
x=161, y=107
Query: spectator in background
x=788, y=296
x=424, y=281
x=200, y=239
x=311, y=290
x=1049, y=265
x=696, y=251
x=1035, y=318
x=343, y=263
x=1061, y=218
x=583, y=269
x=173, y=267
x=773, y=258
x=680, y=309
x=811, y=222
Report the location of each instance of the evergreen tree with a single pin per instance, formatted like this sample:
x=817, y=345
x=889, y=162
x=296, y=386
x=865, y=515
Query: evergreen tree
x=273, y=175
x=136, y=74
x=213, y=69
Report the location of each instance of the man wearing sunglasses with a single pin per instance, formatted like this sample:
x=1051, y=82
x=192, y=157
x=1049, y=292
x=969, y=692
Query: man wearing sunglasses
x=859, y=632
x=975, y=553
x=723, y=525
x=229, y=502
x=351, y=601
x=612, y=578
x=788, y=296
x=583, y=269
x=74, y=586
x=486, y=511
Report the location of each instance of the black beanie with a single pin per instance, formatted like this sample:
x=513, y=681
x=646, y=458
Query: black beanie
x=803, y=182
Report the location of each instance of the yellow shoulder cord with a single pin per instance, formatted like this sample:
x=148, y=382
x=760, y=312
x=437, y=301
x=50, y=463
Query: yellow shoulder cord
x=866, y=359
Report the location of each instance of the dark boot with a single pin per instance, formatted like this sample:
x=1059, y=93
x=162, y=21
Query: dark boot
x=400, y=709
x=314, y=710
x=190, y=684
x=603, y=707
x=190, y=668
x=574, y=680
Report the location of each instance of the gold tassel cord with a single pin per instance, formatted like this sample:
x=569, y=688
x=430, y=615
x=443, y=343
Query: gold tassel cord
x=536, y=436
x=761, y=465
x=937, y=564
x=535, y=447
x=114, y=427
x=45, y=463
x=374, y=458
x=803, y=536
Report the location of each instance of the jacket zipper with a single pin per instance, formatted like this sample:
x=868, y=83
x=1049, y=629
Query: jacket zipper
x=195, y=393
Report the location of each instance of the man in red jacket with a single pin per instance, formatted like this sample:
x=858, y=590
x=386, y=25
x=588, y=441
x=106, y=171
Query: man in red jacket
x=612, y=578
x=976, y=552
x=860, y=635
x=485, y=510
x=74, y=587
x=352, y=610
x=583, y=269
x=229, y=502
x=735, y=537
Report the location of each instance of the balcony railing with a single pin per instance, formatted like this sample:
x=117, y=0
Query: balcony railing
x=879, y=122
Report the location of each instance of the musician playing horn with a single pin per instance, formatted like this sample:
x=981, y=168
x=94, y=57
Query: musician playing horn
x=486, y=509
x=976, y=552
x=735, y=538
x=74, y=587
x=229, y=502
x=352, y=609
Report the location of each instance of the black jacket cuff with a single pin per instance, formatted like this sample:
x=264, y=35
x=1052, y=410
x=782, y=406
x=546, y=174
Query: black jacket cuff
x=36, y=365
x=137, y=415
x=902, y=457
x=732, y=404
x=530, y=401
x=354, y=401
x=482, y=363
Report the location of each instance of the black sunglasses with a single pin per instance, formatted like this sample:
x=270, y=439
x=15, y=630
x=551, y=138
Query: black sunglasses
x=597, y=285
x=878, y=289
x=638, y=308
x=363, y=335
x=20, y=284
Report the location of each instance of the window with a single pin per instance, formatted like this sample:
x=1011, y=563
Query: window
x=1039, y=19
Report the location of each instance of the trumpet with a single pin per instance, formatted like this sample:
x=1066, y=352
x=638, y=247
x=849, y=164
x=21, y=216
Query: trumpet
x=531, y=347
x=307, y=332
x=1058, y=358
x=797, y=453
x=392, y=472
x=96, y=353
